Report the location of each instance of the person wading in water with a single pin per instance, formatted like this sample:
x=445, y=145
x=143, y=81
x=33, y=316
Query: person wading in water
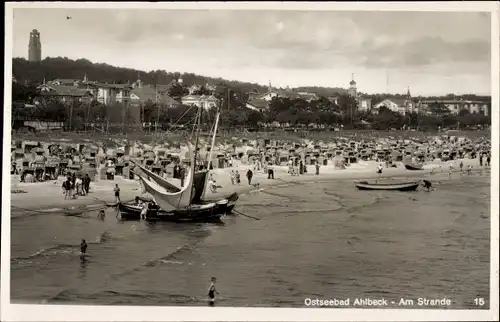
x=427, y=184
x=212, y=291
x=83, y=249
x=117, y=194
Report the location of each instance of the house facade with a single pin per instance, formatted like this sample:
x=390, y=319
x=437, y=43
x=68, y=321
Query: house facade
x=110, y=93
x=393, y=104
x=457, y=105
x=64, y=93
x=204, y=101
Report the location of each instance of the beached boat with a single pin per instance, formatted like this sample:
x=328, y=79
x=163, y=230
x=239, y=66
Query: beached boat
x=413, y=166
x=403, y=186
x=201, y=212
x=185, y=203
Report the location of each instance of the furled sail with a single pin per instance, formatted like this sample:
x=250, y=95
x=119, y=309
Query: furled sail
x=163, y=197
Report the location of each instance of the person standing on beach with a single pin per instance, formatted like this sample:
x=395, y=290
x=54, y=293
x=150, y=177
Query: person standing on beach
x=67, y=188
x=469, y=170
x=380, y=168
x=449, y=170
x=249, y=176
x=237, y=177
x=317, y=169
x=117, y=193
x=86, y=183
x=231, y=176
x=461, y=166
x=481, y=160
x=488, y=158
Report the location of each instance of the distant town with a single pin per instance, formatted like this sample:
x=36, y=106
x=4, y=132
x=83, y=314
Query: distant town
x=38, y=82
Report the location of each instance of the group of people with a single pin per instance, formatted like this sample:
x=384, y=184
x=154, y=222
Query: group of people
x=301, y=169
x=75, y=186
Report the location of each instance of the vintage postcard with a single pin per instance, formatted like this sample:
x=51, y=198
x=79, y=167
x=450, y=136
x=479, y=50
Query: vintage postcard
x=264, y=161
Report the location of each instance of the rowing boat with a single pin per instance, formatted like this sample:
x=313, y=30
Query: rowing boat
x=403, y=186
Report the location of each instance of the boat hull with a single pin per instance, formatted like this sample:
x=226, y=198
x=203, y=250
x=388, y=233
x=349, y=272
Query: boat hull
x=205, y=211
x=407, y=186
x=413, y=167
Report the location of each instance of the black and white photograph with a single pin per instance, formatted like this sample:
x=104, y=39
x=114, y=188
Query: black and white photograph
x=336, y=160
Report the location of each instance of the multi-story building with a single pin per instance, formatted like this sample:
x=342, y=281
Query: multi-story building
x=402, y=106
x=204, y=101
x=457, y=105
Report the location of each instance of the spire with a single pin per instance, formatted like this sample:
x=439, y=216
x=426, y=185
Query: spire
x=85, y=77
x=44, y=81
x=408, y=94
x=353, y=82
x=269, y=87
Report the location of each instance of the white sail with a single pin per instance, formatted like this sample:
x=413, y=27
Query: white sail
x=162, y=182
x=163, y=197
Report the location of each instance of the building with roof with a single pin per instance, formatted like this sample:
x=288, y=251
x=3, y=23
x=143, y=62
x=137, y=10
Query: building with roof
x=402, y=106
x=64, y=93
x=143, y=94
x=257, y=104
x=364, y=103
x=204, y=101
x=457, y=105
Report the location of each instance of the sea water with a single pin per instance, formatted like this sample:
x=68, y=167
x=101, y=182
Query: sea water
x=316, y=240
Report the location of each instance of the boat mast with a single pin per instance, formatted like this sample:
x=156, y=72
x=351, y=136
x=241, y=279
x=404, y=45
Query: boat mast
x=197, y=136
x=213, y=137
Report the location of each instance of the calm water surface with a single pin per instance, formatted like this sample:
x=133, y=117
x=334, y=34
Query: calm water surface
x=316, y=240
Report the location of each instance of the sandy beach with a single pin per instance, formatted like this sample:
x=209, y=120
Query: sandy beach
x=48, y=196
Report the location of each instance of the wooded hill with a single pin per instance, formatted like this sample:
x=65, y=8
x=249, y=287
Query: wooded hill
x=65, y=68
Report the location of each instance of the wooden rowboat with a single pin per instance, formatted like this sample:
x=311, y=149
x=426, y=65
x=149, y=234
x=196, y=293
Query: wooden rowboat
x=403, y=186
x=411, y=166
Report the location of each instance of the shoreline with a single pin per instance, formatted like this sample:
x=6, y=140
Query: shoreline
x=43, y=197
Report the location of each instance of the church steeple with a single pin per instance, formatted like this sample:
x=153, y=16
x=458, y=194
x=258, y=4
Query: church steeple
x=138, y=82
x=352, y=91
x=269, y=87
x=408, y=94
x=85, y=78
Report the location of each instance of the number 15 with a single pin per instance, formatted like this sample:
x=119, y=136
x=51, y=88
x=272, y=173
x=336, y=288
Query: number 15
x=479, y=301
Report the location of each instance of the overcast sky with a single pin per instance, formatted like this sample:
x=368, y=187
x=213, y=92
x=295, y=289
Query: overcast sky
x=432, y=52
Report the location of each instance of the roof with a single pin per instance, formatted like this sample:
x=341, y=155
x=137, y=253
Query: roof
x=66, y=81
x=64, y=90
x=258, y=103
x=201, y=98
x=283, y=93
x=397, y=101
x=117, y=86
x=148, y=93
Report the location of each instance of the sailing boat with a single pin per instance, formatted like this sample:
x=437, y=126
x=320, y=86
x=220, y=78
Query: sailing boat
x=185, y=203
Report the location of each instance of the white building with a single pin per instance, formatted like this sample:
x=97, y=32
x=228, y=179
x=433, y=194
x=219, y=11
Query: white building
x=204, y=101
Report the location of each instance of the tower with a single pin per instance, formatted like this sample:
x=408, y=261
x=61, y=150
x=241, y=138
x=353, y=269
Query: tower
x=352, y=91
x=35, y=47
x=408, y=101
